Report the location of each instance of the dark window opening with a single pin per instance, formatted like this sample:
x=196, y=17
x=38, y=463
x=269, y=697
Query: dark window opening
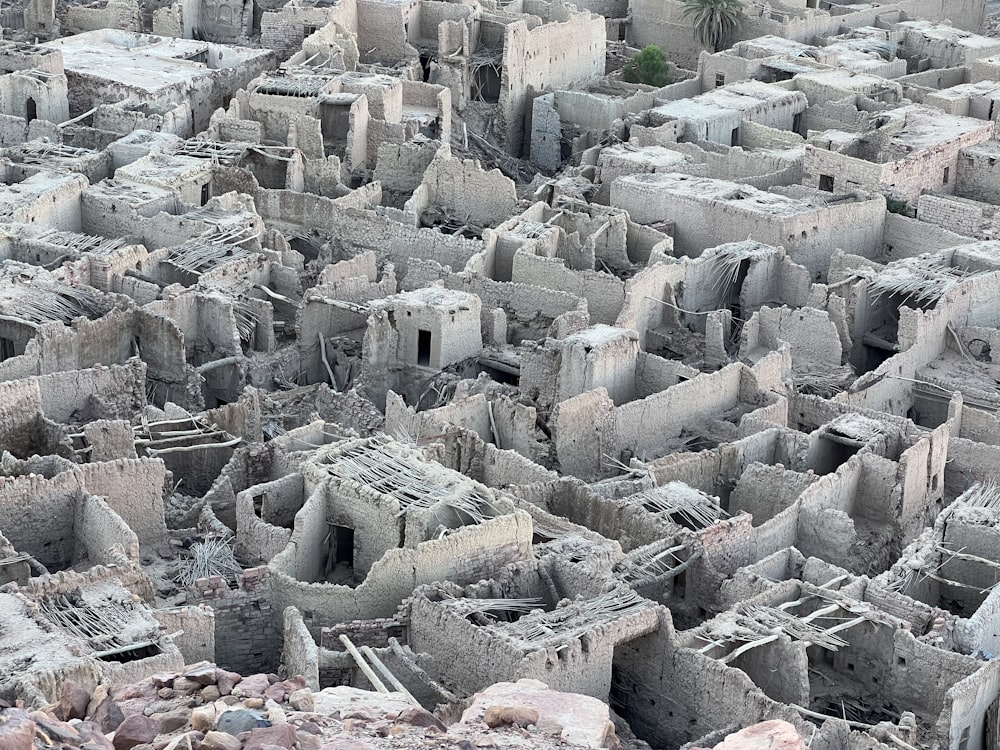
x=205, y=194
x=797, y=123
x=137, y=653
x=501, y=376
x=947, y=175
x=486, y=83
x=423, y=348
x=31, y=109
x=734, y=138
x=720, y=79
x=309, y=31
x=6, y=349
x=826, y=182
x=622, y=32
x=425, y=66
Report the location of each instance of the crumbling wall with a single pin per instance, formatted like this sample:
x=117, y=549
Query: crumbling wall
x=810, y=333
x=546, y=57
x=20, y=407
x=765, y=491
x=261, y=537
x=672, y=695
x=192, y=630
x=37, y=516
x=605, y=294
x=400, y=166
x=284, y=29
x=530, y=310
x=906, y=238
x=970, y=708
x=381, y=31
x=365, y=230
x=465, y=190
x=133, y=488
x=299, y=654
x=468, y=553
x=117, y=14
x=246, y=610
x=589, y=428
x=702, y=216
x=102, y=537
x=48, y=93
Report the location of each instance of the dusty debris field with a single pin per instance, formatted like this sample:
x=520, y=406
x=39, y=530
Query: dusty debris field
x=384, y=374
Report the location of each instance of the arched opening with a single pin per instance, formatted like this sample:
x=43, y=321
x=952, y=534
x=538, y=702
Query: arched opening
x=31, y=109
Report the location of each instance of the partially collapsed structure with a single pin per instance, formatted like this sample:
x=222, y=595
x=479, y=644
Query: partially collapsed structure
x=419, y=338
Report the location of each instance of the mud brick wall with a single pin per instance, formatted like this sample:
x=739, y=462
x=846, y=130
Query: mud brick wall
x=247, y=631
x=375, y=633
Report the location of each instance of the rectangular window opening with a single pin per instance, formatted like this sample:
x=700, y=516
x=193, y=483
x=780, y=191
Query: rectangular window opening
x=826, y=183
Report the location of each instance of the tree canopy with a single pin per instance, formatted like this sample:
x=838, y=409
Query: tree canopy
x=649, y=67
x=715, y=21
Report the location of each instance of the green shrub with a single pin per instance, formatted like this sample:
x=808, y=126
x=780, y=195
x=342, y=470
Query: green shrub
x=649, y=67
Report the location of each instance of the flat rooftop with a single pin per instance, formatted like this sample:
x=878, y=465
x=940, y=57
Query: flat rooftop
x=925, y=127
x=146, y=62
x=738, y=97
x=744, y=197
x=434, y=296
x=939, y=32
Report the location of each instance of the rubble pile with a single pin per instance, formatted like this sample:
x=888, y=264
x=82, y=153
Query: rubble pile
x=204, y=707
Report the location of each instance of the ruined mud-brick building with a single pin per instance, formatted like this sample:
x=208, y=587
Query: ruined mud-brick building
x=412, y=341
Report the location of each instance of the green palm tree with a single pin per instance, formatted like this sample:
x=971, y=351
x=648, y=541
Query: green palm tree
x=715, y=21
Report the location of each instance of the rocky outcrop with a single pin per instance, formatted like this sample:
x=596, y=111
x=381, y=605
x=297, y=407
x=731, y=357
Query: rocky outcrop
x=206, y=708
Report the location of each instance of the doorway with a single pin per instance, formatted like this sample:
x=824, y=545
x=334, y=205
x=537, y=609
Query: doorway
x=343, y=539
x=423, y=348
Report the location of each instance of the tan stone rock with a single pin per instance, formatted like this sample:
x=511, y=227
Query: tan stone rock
x=578, y=719
x=768, y=735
